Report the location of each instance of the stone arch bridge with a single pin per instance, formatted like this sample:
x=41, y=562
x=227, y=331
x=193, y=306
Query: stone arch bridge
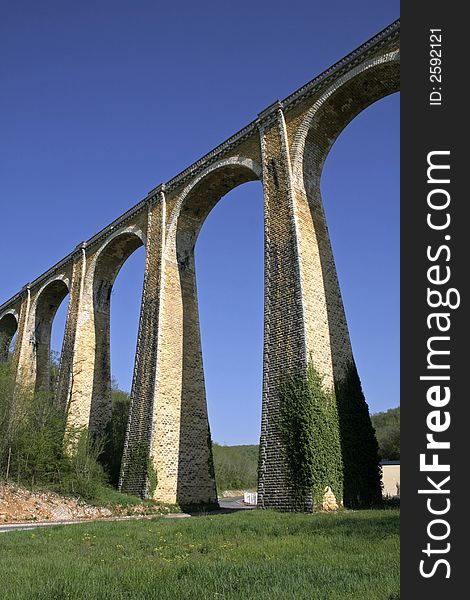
x=285, y=148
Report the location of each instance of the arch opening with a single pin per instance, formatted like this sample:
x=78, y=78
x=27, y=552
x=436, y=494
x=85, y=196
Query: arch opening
x=363, y=206
x=8, y=328
x=47, y=305
x=200, y=205
x=110, y=403
x=340, y=108
x=201, y=200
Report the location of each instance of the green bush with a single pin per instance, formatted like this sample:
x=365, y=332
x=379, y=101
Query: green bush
x=82, y=474
x=36, y=449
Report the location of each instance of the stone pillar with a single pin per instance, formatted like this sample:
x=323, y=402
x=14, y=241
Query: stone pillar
x=285, y=350
x=168, y=380
x=135, y=475
x=297, y=326
x=184, y=450
x=75, y=387
x=23, y=356
x=66, y=376
x=101, y=402
x=327, y=335
x=305, y=324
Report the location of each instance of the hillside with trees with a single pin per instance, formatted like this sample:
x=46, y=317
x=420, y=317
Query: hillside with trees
x=236, y=467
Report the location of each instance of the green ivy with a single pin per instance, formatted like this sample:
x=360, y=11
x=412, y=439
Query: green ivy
x=360, y=450
x=308, y=423
x=152, y=478
x=139, y=464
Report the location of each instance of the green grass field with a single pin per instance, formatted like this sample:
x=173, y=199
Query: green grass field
x=251, y=554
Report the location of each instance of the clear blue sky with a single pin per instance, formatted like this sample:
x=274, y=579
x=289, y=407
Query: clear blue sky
x=101, y=101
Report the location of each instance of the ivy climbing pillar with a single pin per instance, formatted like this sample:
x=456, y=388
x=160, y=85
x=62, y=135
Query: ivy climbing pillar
x=285, y=351
x=306, y=348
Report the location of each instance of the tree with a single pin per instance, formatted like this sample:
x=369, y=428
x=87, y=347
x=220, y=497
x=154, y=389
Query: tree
x=116, y=433
x=387, y=429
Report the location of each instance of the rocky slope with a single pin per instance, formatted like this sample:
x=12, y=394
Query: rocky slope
x=18, y=505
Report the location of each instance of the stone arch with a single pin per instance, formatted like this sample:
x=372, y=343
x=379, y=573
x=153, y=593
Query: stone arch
x=185, y=474
x=48, y=300
x=199, y=197
x=105, y=267
x=109, y=259
x=8, y=328
x=338, y=106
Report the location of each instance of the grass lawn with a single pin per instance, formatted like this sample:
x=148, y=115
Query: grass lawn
x=251, y=554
